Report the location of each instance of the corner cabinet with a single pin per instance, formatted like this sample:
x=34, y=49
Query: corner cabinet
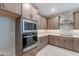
x=53, y=23
x=12, y=7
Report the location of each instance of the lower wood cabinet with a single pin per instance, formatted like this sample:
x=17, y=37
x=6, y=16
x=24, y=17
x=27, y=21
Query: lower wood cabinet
x=64, y=42
x=76, y=44
x=53, y=40
x=61, y=42
x=42, y=42
x=68, y=42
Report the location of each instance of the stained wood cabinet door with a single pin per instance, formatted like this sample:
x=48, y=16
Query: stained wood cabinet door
x=45, y=41
x=26, y=10
x=51, y=39
x=76, y=19
x=12, y=7
x=61, y=42
x=53, y=23
x=56, y=40
x=39, y=22
x=42, y=42
x=76, y=44
x=34, y=13
x=68, y=43
x=42, y=22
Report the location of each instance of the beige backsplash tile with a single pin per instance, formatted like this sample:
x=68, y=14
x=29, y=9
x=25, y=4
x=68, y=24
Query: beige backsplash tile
x=75, y=33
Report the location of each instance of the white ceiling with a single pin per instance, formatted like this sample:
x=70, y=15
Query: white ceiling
x=45, y=9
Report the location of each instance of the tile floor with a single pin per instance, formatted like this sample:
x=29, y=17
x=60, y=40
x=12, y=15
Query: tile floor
x=51, y=50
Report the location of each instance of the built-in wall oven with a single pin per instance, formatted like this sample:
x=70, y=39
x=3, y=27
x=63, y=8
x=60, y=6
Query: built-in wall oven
x=29, y=36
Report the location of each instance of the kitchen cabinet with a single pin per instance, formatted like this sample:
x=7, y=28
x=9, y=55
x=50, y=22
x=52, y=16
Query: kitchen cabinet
x=51, y=40
x=34, y=13
x=39, y=22
x=68, y=42
x=53, y=23
x=12, y=7
x=76, y=20
x=26, y=10
x=61, y=41
x=42, y=42
x=76, y=44
x=42, y=22
x=54, y=40
x=29, y=11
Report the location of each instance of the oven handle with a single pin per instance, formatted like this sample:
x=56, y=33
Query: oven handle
x=30, y=36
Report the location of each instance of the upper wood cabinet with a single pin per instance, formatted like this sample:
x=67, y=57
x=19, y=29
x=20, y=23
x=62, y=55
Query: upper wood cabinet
x=12, y=7
x=53, y=23
x=42, y=22
x=26, y=11
x=76, y=20
x=29, y=11
x=34, y=13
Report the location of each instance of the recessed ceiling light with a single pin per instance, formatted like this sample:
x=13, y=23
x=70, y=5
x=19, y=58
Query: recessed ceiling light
x=53, y=9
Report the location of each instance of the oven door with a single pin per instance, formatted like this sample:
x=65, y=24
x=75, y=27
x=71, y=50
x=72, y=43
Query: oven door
x=29, y=39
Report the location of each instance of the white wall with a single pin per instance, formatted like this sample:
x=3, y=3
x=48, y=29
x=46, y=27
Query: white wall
x=7, y=33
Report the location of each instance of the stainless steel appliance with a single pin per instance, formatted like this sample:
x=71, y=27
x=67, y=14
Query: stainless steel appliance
x=29, y=36
x=29, y=26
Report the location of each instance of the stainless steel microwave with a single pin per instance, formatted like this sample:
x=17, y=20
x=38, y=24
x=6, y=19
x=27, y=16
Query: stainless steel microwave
x=29, y=25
